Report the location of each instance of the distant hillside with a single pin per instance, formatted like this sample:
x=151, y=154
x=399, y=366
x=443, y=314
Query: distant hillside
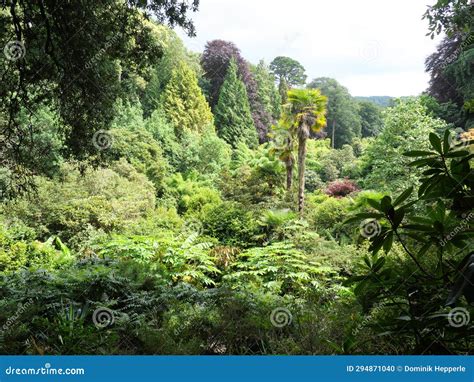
x=383, y=101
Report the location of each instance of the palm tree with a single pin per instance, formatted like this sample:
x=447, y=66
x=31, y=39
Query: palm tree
x=283, y=143
x=304, y=112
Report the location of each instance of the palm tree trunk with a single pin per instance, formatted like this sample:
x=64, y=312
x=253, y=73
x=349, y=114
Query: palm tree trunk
x=303, y=136
x=289, y=173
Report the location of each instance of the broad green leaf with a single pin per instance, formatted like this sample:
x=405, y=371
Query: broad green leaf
x=435, y=142
x=403, y=196
x=446, y=139
x=457, y=154
x=386, y=203
x=387, y=244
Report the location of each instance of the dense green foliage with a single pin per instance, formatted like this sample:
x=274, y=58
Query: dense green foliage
x=79, y=75
x=289, y=70
x=382, y=101
x=343, y=120
x=233, y=117
x=370, y=118
x=184, y=104
x=209, y=211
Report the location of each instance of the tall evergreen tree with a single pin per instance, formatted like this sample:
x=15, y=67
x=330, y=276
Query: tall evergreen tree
x=215, y=61
x=183, y=102
x=268, y=97
x=283, y=90
x=233, y=117
x=174, y=53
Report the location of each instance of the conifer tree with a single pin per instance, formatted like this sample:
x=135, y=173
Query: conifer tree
x=233, y=117
x=267, y=93
x=283, y=90
x=183, y=102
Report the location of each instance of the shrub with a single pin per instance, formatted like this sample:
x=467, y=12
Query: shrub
x=279, y=268
x=192, y=197
x=103, y=199
x=140, y=150
x=204, y=152
x=15, y=255
x=340, y=188
x=231, y=224
x=327, y=214
x=172, y=258
x=313, y=181
x=256, y=177
x=272, y=224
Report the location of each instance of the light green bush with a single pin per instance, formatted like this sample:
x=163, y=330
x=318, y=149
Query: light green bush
x=108, y=199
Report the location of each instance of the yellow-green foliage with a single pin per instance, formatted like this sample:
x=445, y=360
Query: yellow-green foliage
x=21, y=254
x=183, y=102
x=327, y=214
x=108, y=199
x=192, y=197
x=140, y=149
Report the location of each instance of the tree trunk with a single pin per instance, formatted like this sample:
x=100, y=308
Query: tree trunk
x=302, y=138
x=289, y=173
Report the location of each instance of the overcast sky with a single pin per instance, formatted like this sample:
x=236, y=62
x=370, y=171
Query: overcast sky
x=373, y=47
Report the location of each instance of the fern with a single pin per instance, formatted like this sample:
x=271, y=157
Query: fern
x=175, y=258
x=279, y=267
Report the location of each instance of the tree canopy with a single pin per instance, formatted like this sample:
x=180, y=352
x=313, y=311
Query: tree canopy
x=215, y=61
x=288, y=69
x=75, y=57
x=183, y=102
x=343, y=120
x=155, y=200
x=233, y=117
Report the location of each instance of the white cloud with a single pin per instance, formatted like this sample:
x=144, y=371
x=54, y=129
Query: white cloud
x=373, y=47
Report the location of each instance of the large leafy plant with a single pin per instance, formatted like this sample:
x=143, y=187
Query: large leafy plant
x=176, y=259
x=436, y=268
x=280, y=267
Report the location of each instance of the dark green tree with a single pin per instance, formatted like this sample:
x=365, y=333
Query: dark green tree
x=283, y=90
x=289, y=69
x=174, y=53
x=215, y=62
x=267, y=94
x=343, y=121
x=370, y=118
x=232, y=113
x=452, y=79
x=75, y=56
